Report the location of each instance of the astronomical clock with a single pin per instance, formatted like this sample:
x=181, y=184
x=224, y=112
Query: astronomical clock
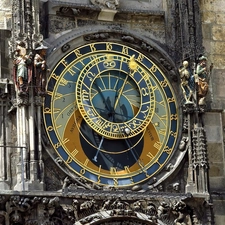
x=111, y=113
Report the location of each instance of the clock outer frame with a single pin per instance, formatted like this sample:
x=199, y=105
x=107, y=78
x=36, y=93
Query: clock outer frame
x=148, y=47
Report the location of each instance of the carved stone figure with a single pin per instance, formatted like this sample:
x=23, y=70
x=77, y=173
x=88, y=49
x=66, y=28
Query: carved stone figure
x=185, y=76
x=181, y=212
x=111, y=4
x=22, y=71
x=201, y=78
x=40, y=69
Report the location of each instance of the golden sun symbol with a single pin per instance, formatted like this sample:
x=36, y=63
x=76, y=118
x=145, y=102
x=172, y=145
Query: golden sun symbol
x=132, y=64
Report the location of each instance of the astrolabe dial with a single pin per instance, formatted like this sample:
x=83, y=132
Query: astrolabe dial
x=115, y=96
x=111, y=114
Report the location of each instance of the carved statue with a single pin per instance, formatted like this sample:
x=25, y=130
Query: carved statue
x=201, y=77
x=22, y=71
x=40, y=69
x=181, y=212
x=111, y=4
x=185, y=76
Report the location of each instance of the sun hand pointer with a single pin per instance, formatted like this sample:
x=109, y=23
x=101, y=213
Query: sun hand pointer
x=132, y=66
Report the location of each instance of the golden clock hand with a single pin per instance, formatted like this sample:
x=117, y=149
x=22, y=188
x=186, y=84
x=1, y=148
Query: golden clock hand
x=120, y=92
x=132, y=66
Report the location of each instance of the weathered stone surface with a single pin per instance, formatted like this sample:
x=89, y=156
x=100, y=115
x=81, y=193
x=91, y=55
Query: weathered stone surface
x=206, y=31
x=218, y=81
x=220, y=18
x=215, y=152
x=216, y=170
x=213, y=127
x=218, y=33
x=218, y=47
x=208, y=17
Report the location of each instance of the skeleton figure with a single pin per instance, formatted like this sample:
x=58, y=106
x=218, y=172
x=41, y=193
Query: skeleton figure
x=185, y=76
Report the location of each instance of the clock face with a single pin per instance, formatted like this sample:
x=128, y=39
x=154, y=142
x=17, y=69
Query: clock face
x=111, y=114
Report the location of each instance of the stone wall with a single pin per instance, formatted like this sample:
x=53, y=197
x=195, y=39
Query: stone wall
x=213, y=20
x=5, y=14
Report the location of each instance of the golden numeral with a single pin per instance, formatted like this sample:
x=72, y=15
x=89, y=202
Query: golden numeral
x=127, y=169
x=57, y=127
x=63, y=82
x=64, y=62
x=162, y=131
x=65, y=140
x=171, y=100
x=150, y=155
x=174, y=134
x=92, y=47
x=86, y=162
x=125, y=50
x=50, y=93
x=58, y=96
x=113, y=170
x=77, y=53
x=140, y=57
x=157, y=145
x=55, y=110
x=71, y=71
x=69, y=160
x=54, y=76
x=57, y=145
x=168, y=150
x=47, y=111
x=108, y=47
x=153, y=69
x=173, y=117
x=50, y=128
x=74, y=152
x=164, y=83
x=82, y=171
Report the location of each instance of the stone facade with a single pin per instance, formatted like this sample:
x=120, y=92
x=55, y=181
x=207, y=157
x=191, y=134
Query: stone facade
x=213, y=37
x=37, y=187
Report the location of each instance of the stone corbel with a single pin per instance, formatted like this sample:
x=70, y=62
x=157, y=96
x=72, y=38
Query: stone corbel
x=107, y=14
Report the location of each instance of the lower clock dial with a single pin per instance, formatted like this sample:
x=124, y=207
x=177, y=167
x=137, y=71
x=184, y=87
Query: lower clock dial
x=111, y=114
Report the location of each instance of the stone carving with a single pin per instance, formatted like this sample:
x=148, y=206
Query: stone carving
x=201, y=79
x=185, y=76
x=98, y=36
x=66, y=210
x=65, y=47
x=128, y=39
x=22, y=70
x=183, y=143
x=182, y=213
x=146, y=47
x=110, y=4
x=40, y=69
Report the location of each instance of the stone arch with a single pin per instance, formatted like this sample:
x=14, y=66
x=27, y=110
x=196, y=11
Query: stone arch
x=118, y=217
